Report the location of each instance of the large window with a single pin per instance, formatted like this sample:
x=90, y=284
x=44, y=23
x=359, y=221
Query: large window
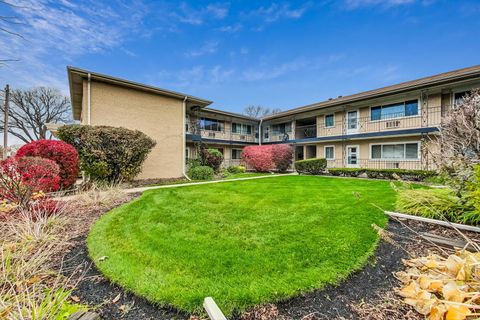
x=241, y=128
x=402, y=109
x=459, y=96
x=400, y=151
x=236, y=154
x=282, y=128
x=211, y=124
x=329, y=152
x=329, y=120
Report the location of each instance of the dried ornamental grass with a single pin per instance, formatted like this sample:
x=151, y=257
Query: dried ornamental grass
x=443, y=288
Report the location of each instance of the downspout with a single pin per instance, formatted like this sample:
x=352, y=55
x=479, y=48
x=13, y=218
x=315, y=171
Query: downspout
x=260, y=133
x=88, y=99
x=184, y=141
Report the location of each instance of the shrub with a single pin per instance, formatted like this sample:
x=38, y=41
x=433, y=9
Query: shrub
x=282, y=155
x=212, y=158
x=24, y=180
x=236, y=169
x=201, y=173
x=258, y=157
x=410, y=175
x=311, y=166
x=62, y=153
x=194, y=162
x=108, y=154
x=431, y=203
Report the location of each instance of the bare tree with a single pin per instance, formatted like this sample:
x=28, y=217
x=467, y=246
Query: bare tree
x=31, y=109
x=259, y=111
x=456, y=151
x=6, y=24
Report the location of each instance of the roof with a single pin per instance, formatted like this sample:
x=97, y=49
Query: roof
x=77, y=75
x=442, y=78
x=231, y=114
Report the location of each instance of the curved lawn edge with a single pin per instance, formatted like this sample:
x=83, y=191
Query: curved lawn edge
x=97, y=248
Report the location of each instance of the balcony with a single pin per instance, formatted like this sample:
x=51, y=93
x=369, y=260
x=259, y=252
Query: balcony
x=381, y=164
x=225, y=134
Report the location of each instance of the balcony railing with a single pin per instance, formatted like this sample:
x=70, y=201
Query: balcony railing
x=305, y=132
x=224, y=134
x=382, y=164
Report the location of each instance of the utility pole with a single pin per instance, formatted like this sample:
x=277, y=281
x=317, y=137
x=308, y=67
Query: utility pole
x=5, y=125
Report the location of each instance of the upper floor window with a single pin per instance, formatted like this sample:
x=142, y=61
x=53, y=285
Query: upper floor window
x=329, y=120
x=399, y=151
x=282, y=128
x=395, y=110
x=241, y=128
x=212, y=124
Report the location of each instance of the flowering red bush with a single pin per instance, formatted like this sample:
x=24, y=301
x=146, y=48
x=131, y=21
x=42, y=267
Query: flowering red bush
x=282, y=156
x=60, y=152
x=22, y=180
x=258, y=157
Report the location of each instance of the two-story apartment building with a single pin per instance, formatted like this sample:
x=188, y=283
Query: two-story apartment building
x=381, y=128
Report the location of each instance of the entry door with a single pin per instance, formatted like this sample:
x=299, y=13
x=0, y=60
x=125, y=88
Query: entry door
x=352, y=156
x=352, y=121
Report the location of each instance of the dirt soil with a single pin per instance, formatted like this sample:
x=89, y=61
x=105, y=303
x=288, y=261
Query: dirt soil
x=366, y=294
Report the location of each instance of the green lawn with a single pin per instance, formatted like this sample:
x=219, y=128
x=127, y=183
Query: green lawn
x=247, y=175
x=241, y=242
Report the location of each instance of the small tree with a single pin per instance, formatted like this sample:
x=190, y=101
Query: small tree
x=282, y=156
x=212, y=157
x=457, y=148
x=258, y=157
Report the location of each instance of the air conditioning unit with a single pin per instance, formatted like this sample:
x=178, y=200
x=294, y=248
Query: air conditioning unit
x=392, y=124
x=211, y=134
x=243, y=137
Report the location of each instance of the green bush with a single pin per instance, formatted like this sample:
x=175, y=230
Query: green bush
x=212, y=158
x=236, y=169
x=431, y=203
x=311, y=166
x=201, y=173
x=194, y=162
x=108, y=154
x=410, y=175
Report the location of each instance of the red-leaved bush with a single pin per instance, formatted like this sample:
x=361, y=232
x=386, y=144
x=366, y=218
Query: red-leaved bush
x=258, y=157
x=65, y=155
x=282, y=156
x=21, y=179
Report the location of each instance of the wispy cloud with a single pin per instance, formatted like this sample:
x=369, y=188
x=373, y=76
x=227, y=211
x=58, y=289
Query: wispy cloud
x=271, y=72
x=277, y=11
x=208, y=47
x=195, y=76
x=198, y=16
x=56, y=32
x=353, y=4
x=231, y=28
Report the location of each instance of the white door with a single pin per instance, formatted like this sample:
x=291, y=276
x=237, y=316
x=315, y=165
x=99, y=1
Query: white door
x=352, y=121
x=352, y=156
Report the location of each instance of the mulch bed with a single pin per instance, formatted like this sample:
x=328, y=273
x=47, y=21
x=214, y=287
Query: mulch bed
x=366, y=294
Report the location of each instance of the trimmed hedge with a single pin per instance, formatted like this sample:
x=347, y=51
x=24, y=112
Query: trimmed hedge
x=311, y=166
x=404, y=174
x=201, y=173
x=108, y=154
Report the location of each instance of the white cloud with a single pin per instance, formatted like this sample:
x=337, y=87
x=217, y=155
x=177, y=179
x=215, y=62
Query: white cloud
x=277, y=11
x=231, y=28
x=208, y=47
x=194, y=77
x=271, y=72
x=188, y=15
x=57, y=32
x=353, y=4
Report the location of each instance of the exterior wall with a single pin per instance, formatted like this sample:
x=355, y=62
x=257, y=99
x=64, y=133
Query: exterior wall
x=159, y=117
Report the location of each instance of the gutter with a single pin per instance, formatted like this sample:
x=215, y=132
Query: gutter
x=260, y=133
x=88, y=99
x=184, y=140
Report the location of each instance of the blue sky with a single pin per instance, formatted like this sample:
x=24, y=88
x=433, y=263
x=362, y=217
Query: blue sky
x=238, y=53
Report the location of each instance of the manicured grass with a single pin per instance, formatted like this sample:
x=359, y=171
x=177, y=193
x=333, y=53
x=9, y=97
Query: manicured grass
x=247, y=175
x=242, y=242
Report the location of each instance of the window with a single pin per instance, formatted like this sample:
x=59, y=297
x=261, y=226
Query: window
x=458, y=97
x=236, y=154
x=211, y=124
x=282, y=128
x=403, y=109
x=329, y=120
x=241, y=128
x=399, y=151
x=266, y=134
x=329, y=152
